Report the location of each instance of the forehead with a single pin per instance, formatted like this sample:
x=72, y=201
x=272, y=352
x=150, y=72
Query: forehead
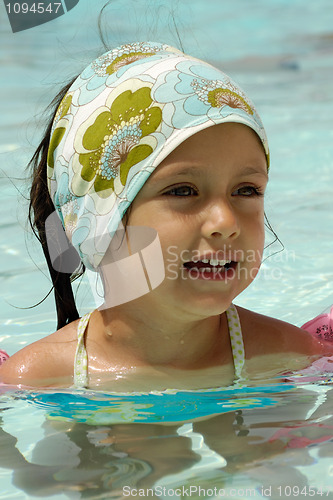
x=230, y=141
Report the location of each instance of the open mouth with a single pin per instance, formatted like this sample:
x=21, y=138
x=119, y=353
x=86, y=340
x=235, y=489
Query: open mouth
x=210, y=266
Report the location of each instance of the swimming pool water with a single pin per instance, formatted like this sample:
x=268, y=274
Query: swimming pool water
x=236, y=442
x=281, y=52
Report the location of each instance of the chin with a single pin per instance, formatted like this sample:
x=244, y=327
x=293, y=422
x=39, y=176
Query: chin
x=211, y=306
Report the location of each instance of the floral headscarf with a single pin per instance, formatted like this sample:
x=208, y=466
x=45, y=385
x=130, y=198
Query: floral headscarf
x=121, y=117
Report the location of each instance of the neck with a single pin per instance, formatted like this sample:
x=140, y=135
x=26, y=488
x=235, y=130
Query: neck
x=162, y=338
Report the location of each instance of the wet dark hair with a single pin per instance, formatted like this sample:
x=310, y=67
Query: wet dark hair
x=40, y=207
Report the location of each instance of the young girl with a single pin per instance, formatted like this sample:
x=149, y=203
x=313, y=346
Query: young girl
x=167, y=147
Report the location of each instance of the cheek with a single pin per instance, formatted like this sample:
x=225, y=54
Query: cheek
x=254, y=221
x=261, y=235
x=260, y=241
x=255, y=226
x=135, y=216
x=145, y=213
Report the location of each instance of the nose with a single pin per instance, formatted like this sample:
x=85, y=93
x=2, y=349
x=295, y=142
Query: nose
x=220, y=221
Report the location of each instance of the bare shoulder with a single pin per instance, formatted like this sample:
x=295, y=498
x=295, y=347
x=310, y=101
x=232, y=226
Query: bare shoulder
x=49, y=361
x=264, y=334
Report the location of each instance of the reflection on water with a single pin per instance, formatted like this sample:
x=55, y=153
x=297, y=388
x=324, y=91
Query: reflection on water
x=264, y=437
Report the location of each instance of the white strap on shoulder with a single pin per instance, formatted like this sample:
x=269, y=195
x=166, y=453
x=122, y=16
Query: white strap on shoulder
x=236, y=340
x=81, y=379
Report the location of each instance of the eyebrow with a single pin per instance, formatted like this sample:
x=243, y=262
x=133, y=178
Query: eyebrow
x=200, y=172
x=253, y=171
x=184, y=171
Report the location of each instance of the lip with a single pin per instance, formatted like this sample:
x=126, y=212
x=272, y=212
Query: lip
x=221, y=275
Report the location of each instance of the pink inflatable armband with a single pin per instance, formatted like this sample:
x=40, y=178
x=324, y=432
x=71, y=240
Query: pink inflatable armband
x=321, y=326
x=3, y=356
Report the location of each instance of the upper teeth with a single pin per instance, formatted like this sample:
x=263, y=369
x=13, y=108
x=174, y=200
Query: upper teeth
x=214, y=262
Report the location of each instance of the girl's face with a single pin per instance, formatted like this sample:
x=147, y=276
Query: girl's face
x=205, y=200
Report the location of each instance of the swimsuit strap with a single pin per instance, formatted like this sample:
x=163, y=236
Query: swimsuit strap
x=236, y=340
x=81, y=378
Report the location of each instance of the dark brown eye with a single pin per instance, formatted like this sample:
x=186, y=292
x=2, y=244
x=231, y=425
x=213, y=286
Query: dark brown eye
x=248, y=191
x=181, y=191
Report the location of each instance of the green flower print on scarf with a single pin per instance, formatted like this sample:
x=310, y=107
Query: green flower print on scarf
x=58, y=132
x=63, y=107
x=225, y=97
x=119, y=62
x=113, y=139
